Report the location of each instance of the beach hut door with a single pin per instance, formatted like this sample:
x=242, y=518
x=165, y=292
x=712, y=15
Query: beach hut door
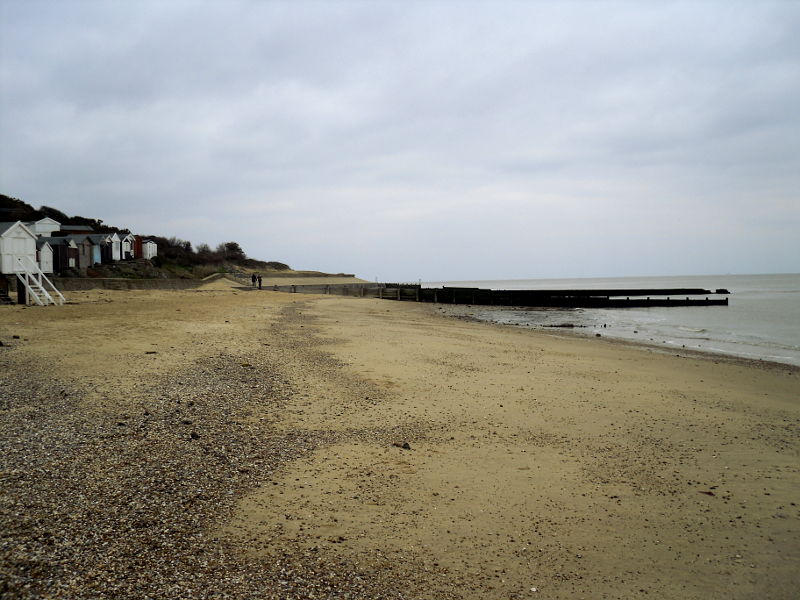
x=18, y=250
x=46, y=260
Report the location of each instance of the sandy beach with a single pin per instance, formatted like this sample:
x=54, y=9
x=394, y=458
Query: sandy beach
x=232, y=443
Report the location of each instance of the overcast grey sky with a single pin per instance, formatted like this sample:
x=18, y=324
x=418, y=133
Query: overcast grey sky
x=405, y=140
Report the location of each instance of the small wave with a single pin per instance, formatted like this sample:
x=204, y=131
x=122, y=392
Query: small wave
x=693, y=329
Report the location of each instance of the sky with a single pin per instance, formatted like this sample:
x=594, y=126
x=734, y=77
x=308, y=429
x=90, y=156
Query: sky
x=415, y=140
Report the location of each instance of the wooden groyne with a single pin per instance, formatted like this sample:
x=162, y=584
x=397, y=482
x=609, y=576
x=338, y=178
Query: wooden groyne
x=604, y=298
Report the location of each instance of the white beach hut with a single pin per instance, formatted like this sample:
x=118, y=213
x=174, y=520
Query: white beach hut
x=17, y=247
x=127, y=241
x=149, y=249
x=44, y=256
x=44, y=227
x=18, y=261
x=116, y=246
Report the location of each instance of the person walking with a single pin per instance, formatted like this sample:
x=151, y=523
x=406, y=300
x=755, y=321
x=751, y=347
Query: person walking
x=259, y=281
x=253, y=279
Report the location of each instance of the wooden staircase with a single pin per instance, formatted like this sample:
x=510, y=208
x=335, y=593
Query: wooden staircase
x=39, y=289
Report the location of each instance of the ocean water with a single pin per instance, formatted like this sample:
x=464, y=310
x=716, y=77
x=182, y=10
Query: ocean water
x=762, y=320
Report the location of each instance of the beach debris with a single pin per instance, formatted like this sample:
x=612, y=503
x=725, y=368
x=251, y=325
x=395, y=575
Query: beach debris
x=14, y=337
x=150, y=352
x=403, y=445
x=194, y=435
x=707, y=492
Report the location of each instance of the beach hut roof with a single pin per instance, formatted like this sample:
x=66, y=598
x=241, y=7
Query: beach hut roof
x=80, y=239
x=55, y=240
x=8, y=226
x=61, y=241
x=77, y=228
x=41, y=243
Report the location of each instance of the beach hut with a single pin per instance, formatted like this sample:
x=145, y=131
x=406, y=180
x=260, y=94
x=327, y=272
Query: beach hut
x=17, y=247
x=149, y=249
x=44, y=227
x=85, y=248
x=65, y=253
x=116, y=246
x=102, y=247
x=44, y=255
x=97, y=251
x=18, y=262
x=127, y=241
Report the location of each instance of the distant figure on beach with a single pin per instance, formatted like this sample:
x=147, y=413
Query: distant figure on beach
x=259, y=282
x=253, y=279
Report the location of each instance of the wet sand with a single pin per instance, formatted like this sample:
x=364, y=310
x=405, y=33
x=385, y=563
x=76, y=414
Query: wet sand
x=534, y=466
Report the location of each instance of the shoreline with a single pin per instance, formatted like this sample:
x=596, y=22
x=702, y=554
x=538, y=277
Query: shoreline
x=459, y=312
x=239, y=432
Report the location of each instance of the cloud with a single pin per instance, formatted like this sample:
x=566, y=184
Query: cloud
x=389, y=137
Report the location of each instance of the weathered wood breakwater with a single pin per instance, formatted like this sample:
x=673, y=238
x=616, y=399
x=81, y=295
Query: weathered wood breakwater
x=602, y=298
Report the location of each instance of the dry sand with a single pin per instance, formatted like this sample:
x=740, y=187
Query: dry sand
x=536, y=466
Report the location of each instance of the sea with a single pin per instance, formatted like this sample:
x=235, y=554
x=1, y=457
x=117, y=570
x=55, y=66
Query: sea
x=761, y=321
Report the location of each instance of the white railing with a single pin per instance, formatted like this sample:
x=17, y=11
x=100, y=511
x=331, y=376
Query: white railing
x=32, y=277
